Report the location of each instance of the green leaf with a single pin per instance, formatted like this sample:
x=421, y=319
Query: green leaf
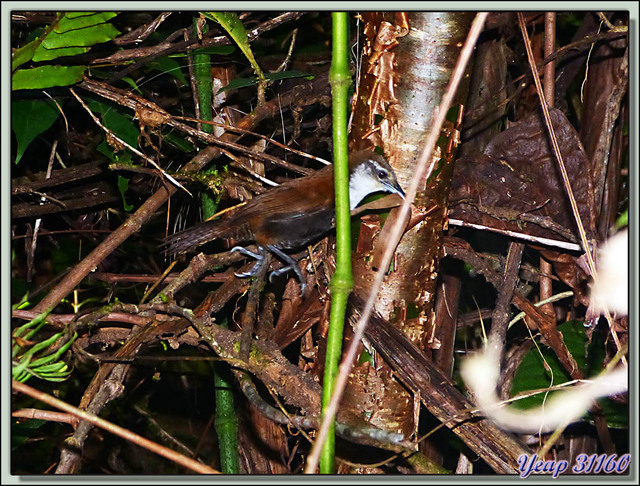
x=123, y=185
x=52, y=369
x=288, y=75
x=131, y=83
x=43, y=344
x=44, y=367
x=46, y=77
x=209, y=205
x=233, y=25
x=37, y=322
x=24, y=302
x=169, y=66
x=71, y=33
x=122, y=125
x=81, y=20
x=24, y=54
x=533, y=375
x=18, y=372
x=237, y=83
x=87, y=37
x=179, y=142
x=617, y=413
x=108, y=151
x=22, y=430
x=30, y=118
x=74, y=33
x=43, y=54
x=57, y=354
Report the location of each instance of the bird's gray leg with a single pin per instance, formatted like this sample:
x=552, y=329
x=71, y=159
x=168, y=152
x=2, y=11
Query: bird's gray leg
x=291, y=265
x=260, y=260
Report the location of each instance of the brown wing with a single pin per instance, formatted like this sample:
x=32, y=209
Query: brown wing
x=286, y=216
x=298, y=195
x=298, y=211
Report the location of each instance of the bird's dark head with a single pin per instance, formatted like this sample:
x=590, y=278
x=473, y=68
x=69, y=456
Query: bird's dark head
x=370, y=172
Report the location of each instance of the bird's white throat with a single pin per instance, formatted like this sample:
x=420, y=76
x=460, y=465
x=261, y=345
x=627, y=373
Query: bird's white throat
x=361, y=184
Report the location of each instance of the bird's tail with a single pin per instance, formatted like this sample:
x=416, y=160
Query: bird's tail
x=191, y=238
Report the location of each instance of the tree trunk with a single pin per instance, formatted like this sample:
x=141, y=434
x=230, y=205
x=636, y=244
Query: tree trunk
x=407, y=62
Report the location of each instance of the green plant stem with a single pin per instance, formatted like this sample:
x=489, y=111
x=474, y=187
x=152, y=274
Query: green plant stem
x=342, y=281
x=204, y=93
x=226, y=420
x=204, y=87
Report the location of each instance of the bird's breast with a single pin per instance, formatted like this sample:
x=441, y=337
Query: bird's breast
x=295, y=229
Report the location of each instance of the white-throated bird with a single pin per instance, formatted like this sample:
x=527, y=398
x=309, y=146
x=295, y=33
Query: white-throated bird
x=291, y=215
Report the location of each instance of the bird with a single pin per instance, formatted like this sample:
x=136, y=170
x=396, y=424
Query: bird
x=291, y=215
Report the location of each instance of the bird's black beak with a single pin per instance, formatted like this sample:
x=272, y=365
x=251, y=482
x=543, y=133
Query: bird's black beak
x=396, y=189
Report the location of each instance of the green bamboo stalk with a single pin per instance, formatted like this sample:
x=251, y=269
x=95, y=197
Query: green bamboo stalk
x=204, y=93
x=226, y=420
x=204, y=86
x=342, y=281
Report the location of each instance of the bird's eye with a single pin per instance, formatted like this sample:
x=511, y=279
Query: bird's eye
x=382, y=175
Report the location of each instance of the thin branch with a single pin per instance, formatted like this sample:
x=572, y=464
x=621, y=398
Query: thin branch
x=149, y=54
x=540, y=240
x=251, y=309
x=270, y=140
x=606, y=21
x=137, y=103
x=141, y=33
x=47, y=415
x=500, y=315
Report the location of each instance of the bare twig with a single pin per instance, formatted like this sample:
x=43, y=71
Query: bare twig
x=47, y=415
x=285, y=62
x=500, y=316
x=546, y=285
x=137, y=103
x=251, y=309
x=522, y=236
x=606, y=21
x=31, y=249
x=270, y=140
x=148, y=54
x=141, y=33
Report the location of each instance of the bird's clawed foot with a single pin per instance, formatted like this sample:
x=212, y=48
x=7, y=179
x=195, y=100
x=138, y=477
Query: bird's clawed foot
x=259, y=257
x=262, y=260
